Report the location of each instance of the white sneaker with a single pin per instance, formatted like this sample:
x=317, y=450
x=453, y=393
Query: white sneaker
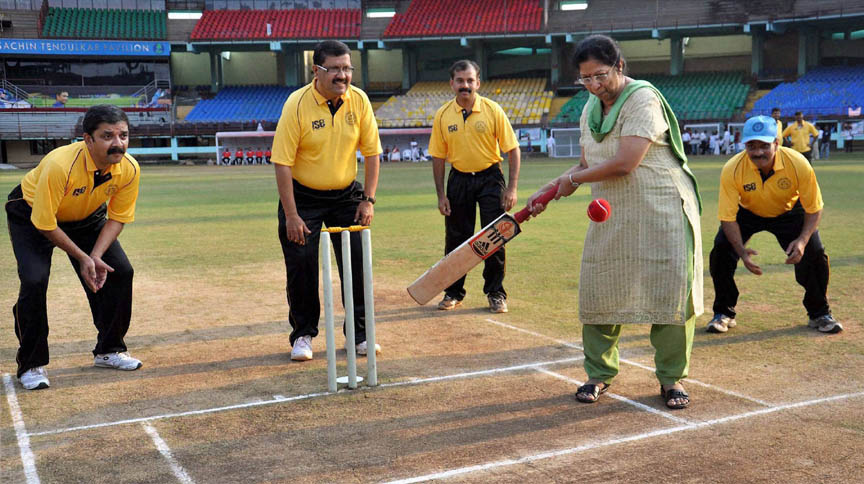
x=34, y=379
x=363, y=349
x=117, y=361
x=302, y=350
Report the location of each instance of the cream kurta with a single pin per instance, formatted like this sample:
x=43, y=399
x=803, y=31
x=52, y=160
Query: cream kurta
x=634, y=266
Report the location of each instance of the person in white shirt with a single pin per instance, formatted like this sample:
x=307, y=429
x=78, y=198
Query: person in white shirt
x=415, y=151
x=550, y=146
x=727, y=142
x=685, y=139
x=815, y=149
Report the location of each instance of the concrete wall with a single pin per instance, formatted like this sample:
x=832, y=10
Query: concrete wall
x=385, y=65
x=249, y=68
x=190, y=69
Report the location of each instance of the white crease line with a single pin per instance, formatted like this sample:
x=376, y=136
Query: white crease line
x=280, y=398
x=621, y=440
x=620, y=398
x=27, y=459
x=162, y=447
x=636, y=364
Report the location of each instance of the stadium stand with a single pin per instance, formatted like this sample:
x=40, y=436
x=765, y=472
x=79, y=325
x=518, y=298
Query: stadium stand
x=822, y=91
x=90, y=23
x=437, y=17
x=242, y=104
x=692, y=96
x=524, y=100
x=284, y=24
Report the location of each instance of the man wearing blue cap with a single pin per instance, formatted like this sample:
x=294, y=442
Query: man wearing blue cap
x=769, y=187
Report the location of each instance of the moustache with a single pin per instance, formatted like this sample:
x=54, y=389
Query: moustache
x=116, y=151
x=465, y=89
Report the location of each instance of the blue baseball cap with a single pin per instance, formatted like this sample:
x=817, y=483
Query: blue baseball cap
x=760, y=128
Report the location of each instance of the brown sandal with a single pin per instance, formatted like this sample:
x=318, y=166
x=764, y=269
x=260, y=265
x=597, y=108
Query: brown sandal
x=594, y=390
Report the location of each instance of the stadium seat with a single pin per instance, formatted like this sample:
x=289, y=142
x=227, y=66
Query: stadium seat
x=242, y=104
x=89, y=23
x=285, y=24
x=824, y=91
x=436, y=17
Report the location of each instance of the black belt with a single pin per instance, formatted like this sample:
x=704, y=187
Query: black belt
x=496, y=167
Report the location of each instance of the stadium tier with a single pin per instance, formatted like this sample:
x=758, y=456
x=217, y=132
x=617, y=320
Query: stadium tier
x=524, y=101
x=456, y=17
x=824, y=91
x=90, y=23
x=242, y=104
x=283, y=24
x=708, y=95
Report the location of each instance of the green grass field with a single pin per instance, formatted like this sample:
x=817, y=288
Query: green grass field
x=210, y=222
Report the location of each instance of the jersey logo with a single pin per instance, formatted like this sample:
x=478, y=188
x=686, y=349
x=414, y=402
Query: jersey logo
x=318, y=124
x=452, y=128
x=350, y=118
x=784, y=183
x=480, y=127
x=79, y=191
x=749, y=187
x=110, y=190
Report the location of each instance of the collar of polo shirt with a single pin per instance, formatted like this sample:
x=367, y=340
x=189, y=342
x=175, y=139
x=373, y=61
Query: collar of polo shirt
x=320, y=99
x=90, y=164
x=778, y=162
x=474, y=109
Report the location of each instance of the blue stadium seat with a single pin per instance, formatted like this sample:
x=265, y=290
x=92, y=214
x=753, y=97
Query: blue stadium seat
x=824, y=91
x=242, y=104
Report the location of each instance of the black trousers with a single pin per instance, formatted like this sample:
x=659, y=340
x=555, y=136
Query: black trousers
x=111, y=307
x=811, y=272
x=335, y=208
x=466, y=192
x=809, y=155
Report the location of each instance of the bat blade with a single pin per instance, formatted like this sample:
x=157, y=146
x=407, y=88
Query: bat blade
x=471, y=252
x=464, y=258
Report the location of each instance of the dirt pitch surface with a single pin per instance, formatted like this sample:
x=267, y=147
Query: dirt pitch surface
x=465, y=396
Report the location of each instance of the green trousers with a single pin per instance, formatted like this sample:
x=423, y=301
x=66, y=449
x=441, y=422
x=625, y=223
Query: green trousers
x=672, y=345
x=672, y=342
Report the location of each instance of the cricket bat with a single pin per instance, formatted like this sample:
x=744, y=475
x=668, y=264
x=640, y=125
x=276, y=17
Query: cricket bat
x=473, y=251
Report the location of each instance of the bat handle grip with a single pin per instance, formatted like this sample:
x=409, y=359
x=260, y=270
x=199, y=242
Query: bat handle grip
x=542, y=200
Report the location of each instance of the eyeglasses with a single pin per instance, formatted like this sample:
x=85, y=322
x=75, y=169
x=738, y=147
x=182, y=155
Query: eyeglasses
x=334, y=70
x=596, y=78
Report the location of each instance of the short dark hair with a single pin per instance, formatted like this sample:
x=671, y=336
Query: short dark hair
x=799, y=113
x=601, y=48
x=775, y=109
x=329, y=48
x=102, y=113
x=463, y=65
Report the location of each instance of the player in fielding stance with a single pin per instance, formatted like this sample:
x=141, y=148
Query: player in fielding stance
x=769, y=187
x=64, y=202
x=470, y=132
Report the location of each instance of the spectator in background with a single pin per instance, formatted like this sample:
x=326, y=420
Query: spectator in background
x=395, y=154
x=238, y=157
x=154, y=102
x=685, y=138
x=703, y=143
x=714, y=143
x=816, y=143
x=550, y=145
x=267, y=155
x=385, y=156
x=825, y=143
x=61, y=98
x=226, y=157
x=800, y=133
x=415, y=150
x=5, y=99
x=847, y=138
x=739, y=146
x=259, y=156
x=250, y=157
x=775, y=113
x=727, y=142
x=694, y=143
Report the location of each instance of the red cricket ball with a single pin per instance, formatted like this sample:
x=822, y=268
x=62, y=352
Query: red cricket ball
x=599, y=210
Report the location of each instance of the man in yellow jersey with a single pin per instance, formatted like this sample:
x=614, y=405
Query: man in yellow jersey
x=802, y=134
x=775, y=113
x=470, y=132
x=321, y=128
x=64, y=202
x=769, y=187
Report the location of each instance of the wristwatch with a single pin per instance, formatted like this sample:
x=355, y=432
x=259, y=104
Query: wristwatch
x=367, y=198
